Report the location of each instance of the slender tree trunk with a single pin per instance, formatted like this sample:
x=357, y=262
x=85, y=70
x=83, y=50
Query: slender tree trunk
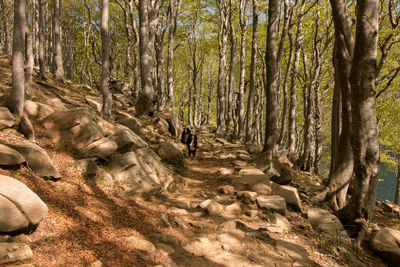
x=250, y=99
x=243, y=27
x=6, y=47
x=271, y=88
x=231, y=78
x=364, y=130
x=35, y=30
x=105, y=62
x=128, y=55
x=293, y=96
x=135, y=50
x=57, y=57
x=16, y=101
x=222, y=41
x=42, y=41
x=397, y=189
x=29, y=48
x=147, y=24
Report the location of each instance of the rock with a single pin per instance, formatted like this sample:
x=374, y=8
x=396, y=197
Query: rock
x=101, y=148
x=232, y=237
x=95, y=102
x=243, y=157
x=221, y=140
x=13, y=252
x=280, y=221
x=165, y=249
x=7, y=120
x=251, y=213
x=386, y=243
x=272, y=203
x=250, y=171
x=26, y=127
x=231, y=146
x=37, y=159
x=390, y=206
x=37, y=110
x=9, y=156
x=141, y=244
x=227, y=190
x=289, y=193
x=139, y=171
x=253, y=148
x=174, y=126
x=212, y=207
x=162, y=125
x=107, y=127
x=127, y=140
x=72, y=130
x=261, y=188
x=234, y=208
x=133, y=124
x=20, y=206
x=251, y=176
x=326, y=222
x=224, y=171
x=97, y=263
x=170, y=239
x=296, y=252
x=247, y=196
x=56, y=103
x=279, y=179
x=171, y=153
x=90, y=169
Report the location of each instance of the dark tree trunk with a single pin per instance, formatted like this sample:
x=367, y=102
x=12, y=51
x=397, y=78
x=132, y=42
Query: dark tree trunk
x=57, y=57
x=231, y=78
x=105, y=62
x=16, y=101
x=6, y=47
x=28, y=48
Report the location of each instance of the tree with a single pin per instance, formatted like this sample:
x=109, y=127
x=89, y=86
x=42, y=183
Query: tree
x=57, y=55
x=148, y=19
x=6, y=47
x=16, y=100
x=105, y=62
x=42, y=60
x=271, y=88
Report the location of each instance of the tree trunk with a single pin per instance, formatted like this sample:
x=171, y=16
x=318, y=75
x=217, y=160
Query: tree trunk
x=397, y=189
x=271, y=88
x=293, y=96
x=243, y=27
x=231, y=78
x=222, y=41
x=105, y=62
x=342, y=158
x=16, y=101
x=135, y=50
x=147, y=23
x=364, y=130
x=57, y=57
x=128, y=55
x=35, y=30
x=42, y=60
x=250, y=99
x=6, y=47
x=175, y=7
x=29, y=47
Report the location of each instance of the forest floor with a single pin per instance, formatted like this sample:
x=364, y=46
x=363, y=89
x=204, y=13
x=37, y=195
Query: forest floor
x=88, y=223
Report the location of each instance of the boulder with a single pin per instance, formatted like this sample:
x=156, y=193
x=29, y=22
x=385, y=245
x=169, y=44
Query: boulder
x=227, y=190
x=174, y=126
x=212, y=207
x=296, y=252
x=289, y=193
x=391, y=207
x=280, y=221
x=133, y=124
x=326, y=222
x=247, y=196
x=56, y=103
x=171, y=154
x=272, y=203
x=95, y=102
x=140, y=244
x=232, y=237
x=261, y=188
x=90, y=169
x=250, y=171
x=72, y=129
x=7, y=120
x=37, y=110
x=20, y=207
x=101, y=148
x=386, y=243
x=37, y=159
x=13, y=252
x=9, y=156
x=253, y=148
x=127, y=140
x=26, y=127
x=139, y=171
x=251, y=176
x=162, y=125
x=224, y=171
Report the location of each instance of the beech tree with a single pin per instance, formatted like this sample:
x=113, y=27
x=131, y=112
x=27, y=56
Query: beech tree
x=105, y=62
x=57, y=46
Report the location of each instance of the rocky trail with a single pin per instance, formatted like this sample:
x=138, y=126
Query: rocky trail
x=87, y=192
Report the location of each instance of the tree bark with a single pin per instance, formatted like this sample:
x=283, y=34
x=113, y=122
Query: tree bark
x=6, y=47
x=35, y=30
x=135, y=51
x=42, y=60
x=397, y=189
x=250, y=99
x=148, y=20
x=364, y=130
x=222, y=41
x=16, y=101
x=28, y=48
x=57, y=57
x=128, y=54
x=105, y=62
x=271, y=88
x=243, y=27
x=293, y=96
x=231, y=78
